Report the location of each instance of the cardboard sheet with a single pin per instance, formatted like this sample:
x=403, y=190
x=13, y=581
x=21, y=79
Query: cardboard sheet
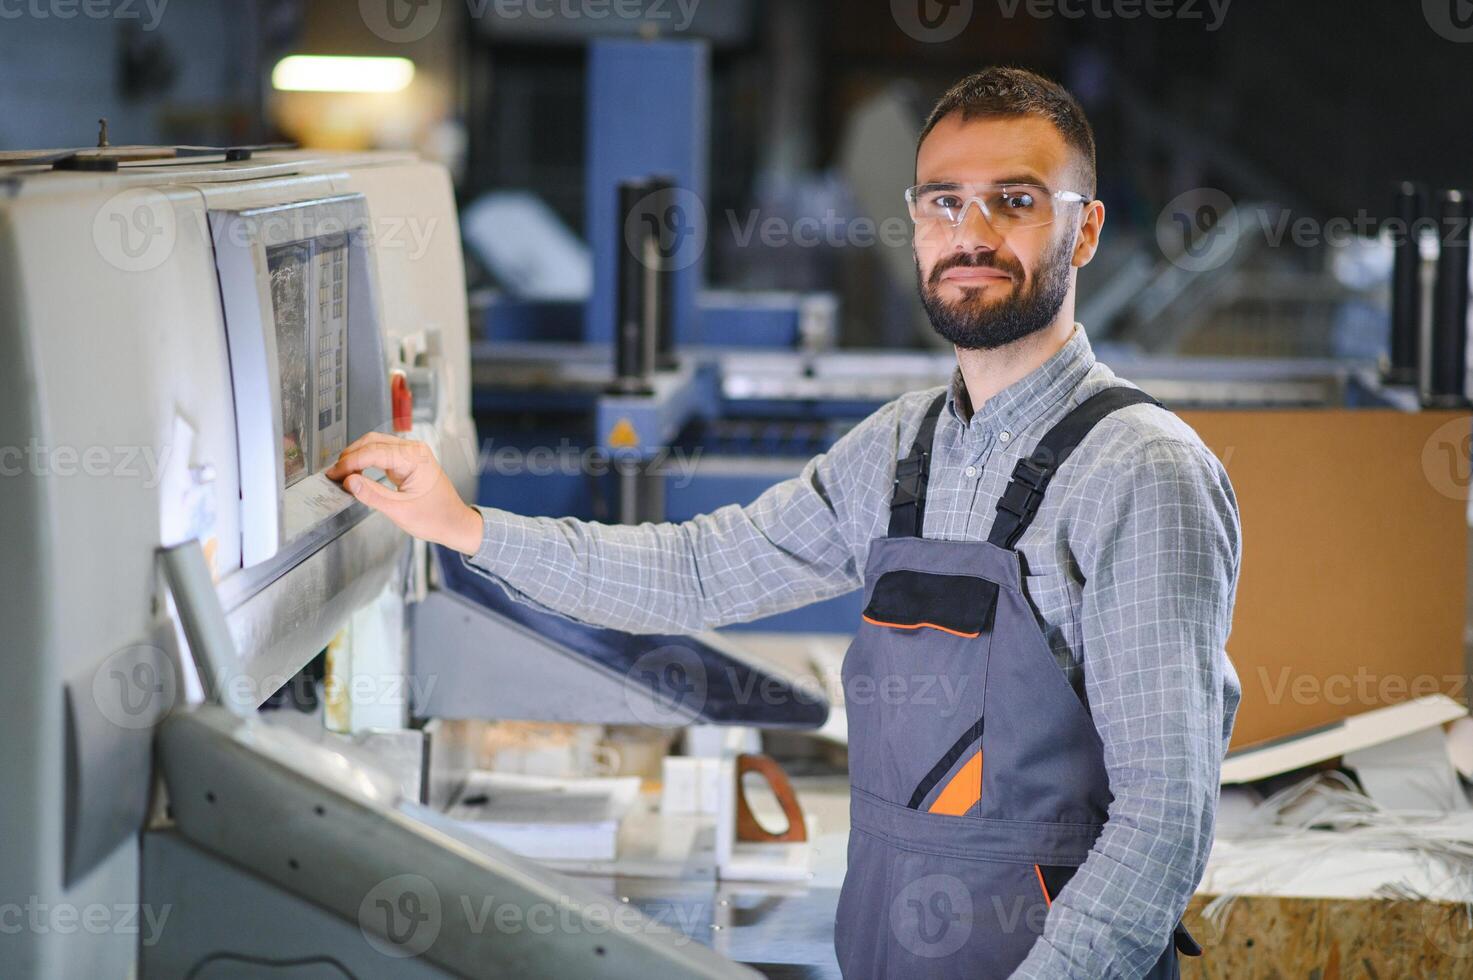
x=1353, y=587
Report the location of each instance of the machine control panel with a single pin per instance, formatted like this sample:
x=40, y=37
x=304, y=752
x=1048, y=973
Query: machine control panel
x=309, y=303
x=306, y=358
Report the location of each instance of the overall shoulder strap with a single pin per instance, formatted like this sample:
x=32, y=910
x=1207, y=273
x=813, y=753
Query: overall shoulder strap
x=908, y=499
x=1019, y=503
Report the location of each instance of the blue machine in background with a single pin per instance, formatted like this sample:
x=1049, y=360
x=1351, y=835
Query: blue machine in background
x=542, y=374
x=648, y=113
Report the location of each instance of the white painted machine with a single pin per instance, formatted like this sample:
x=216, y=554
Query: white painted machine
x=187, y=343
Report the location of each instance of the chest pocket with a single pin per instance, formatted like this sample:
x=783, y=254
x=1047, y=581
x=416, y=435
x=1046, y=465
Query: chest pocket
x=962, y=605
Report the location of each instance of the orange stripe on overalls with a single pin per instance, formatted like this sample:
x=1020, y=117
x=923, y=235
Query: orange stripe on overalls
x=962, y=791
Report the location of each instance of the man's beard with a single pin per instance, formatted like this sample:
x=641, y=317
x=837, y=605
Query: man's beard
x=977, y=323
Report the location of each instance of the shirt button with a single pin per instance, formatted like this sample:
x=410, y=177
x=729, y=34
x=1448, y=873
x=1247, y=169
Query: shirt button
x=1004, y=436
x=971, y=471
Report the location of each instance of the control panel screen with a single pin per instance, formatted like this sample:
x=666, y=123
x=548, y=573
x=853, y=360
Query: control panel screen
x=309, y=300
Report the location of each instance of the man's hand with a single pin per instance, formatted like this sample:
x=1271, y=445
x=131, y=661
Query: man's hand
x=425, y=503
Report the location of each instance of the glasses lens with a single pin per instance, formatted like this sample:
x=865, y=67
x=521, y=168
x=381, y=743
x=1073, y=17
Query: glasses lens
x=1019, y=206
x=933, y=203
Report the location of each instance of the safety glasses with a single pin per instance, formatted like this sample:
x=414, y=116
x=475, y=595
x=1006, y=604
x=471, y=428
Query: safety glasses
x=1005, y=206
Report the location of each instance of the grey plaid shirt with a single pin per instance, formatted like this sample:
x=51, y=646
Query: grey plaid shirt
x=1132, y=562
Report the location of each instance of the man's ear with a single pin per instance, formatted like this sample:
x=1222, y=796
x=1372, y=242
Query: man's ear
x=1091, y=223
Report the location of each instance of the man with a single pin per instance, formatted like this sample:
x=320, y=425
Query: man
x=1039, y=534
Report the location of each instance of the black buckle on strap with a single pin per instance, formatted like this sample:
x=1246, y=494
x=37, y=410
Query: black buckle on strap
x=1024, y=493
x=1020, y=501
x=1032, y=474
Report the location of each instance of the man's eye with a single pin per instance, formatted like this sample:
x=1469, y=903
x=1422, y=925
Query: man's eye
x=947, y=201
x=1017, y=200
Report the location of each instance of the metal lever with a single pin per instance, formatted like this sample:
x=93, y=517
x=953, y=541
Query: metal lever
x=205, y=629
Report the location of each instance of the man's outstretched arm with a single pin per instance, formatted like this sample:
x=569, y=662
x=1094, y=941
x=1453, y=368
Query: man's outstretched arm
x=786, y=549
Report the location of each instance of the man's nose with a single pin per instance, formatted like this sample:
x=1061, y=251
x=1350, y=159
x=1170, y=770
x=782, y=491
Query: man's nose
x=974, y=231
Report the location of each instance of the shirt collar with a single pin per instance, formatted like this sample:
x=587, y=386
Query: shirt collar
x=1023, y=401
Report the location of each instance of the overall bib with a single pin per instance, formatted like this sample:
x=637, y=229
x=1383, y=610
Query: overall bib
x=978, y=777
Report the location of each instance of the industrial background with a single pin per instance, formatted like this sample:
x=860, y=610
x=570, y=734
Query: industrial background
x=637, y=260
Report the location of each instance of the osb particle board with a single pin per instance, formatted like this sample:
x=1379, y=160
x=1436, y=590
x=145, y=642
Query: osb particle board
x=1268, y=938
x=1353, y=583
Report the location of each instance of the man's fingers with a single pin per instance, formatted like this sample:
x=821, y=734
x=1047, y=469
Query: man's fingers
x=349, y=461
x=397, y=459
x=337, y=470
x=370, y=492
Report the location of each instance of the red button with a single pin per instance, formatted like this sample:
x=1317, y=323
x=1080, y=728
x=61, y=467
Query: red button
x=402, y=402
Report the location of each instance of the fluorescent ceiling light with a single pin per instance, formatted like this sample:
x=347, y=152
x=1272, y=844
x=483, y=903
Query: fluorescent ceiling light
x=325, y=73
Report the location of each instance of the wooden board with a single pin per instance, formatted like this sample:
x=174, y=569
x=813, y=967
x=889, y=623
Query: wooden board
x=1271, y=938
x=1353, y=585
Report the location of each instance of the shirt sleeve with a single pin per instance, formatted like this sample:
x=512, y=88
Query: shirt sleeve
x=791, y=546
x=1160, y=564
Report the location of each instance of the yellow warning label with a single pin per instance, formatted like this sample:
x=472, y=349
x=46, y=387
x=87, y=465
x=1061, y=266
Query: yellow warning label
x=623, y=436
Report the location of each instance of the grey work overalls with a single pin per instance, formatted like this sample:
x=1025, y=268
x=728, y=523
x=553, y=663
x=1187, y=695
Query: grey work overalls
x=978, y=777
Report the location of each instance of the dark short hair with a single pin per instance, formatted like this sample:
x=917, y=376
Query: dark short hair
x=1006, y=92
